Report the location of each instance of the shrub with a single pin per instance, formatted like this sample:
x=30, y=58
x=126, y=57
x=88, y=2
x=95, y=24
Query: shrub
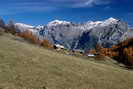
x=123, y=52
x=46, y=44
x=29, y=36
x=32, y=38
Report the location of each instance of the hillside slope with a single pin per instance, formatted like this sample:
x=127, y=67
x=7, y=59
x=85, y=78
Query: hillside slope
x=23, y=65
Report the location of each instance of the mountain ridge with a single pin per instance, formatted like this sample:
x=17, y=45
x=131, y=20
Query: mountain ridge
x=72, y=35
x=79, y=36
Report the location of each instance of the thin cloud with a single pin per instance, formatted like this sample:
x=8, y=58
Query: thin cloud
x=81, y=3
x=21, y=6
x=92, y=3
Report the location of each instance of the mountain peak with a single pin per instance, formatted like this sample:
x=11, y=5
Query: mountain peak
x=92, y=24
x=57, y=22
x=111, y=19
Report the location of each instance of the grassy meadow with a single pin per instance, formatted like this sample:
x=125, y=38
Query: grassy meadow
x=27, y=66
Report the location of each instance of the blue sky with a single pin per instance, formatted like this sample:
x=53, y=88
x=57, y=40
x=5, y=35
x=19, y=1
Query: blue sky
x=37, y=12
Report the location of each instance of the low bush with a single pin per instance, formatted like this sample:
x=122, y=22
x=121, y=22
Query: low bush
x=46, y=44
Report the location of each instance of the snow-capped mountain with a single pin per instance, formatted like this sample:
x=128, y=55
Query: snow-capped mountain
x=80, y=36
x=23, y=27
x=58, y=22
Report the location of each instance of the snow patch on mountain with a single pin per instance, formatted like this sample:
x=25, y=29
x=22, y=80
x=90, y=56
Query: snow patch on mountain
x=24, y=27
x=58, y=22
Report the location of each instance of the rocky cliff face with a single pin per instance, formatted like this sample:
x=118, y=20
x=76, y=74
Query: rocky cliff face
x=79, y=36
x=127, y=35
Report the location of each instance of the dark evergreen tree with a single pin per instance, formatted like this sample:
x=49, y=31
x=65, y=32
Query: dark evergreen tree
x=11, y=27
x=2, y=23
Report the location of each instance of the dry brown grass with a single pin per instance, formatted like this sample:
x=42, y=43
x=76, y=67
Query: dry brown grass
x=1, y=31
x=26, y=66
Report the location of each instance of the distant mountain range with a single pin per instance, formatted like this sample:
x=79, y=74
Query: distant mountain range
x=83, y=36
